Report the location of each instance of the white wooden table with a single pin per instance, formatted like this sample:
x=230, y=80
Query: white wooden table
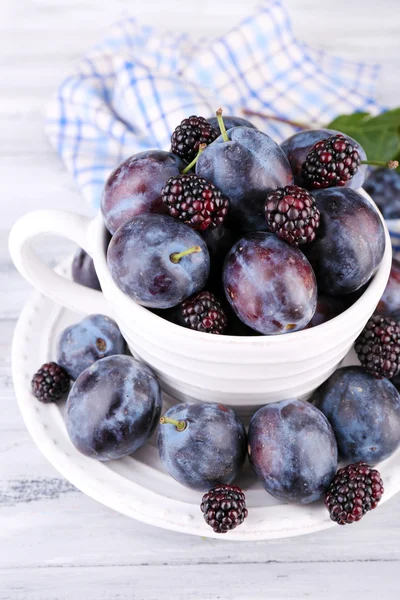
x=55, y=543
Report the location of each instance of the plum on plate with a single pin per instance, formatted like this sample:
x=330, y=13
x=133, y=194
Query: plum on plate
x=134, y=187
x=364, y=413
x=245, y=164
x=113, y=408
x=269, y=284
x=299, y=145
x=350, y=241
x=202, y=445
x=158, y=261
x=83, y=343
x=83, y=270
x=293, y=450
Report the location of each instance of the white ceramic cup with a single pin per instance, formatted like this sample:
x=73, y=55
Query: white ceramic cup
x=243, y=372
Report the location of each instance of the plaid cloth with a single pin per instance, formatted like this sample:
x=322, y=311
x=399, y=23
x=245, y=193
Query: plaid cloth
x=129, y=93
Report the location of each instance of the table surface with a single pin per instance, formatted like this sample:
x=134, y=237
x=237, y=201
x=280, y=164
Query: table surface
x=56, y=543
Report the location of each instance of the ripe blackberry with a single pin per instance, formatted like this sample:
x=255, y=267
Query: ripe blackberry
x=50, y=382
x=203, y=312
x=195, y=201
x=331, y=162
x=354, y=490
x=378, y=347
x=383, y=185
x=292, y=214
x=188, y=136
x=224, y=507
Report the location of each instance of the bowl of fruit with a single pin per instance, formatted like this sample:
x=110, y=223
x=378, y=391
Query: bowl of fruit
x=224, y=279
x=270, y=247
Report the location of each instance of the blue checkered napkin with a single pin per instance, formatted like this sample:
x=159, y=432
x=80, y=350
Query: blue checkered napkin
x=131, y=90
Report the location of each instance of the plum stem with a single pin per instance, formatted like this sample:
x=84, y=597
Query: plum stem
x=176, y=256
x=253, y=113
x=180, y=425
x=222, y=125
x=392, y=164
x=194, y=161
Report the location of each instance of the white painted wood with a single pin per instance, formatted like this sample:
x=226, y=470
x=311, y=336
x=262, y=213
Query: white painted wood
x=55, y=543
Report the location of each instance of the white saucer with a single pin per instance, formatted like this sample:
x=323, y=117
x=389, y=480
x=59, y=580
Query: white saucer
x=138, y=486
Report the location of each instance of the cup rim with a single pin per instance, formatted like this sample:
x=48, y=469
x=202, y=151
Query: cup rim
x=371, y=297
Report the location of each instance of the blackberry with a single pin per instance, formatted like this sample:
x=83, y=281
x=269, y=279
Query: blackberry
x=378, y=347
x=383, y=185
x=195, y=201
x=188, y=136
x=50, y=382
x=292, y=214
x=203, y=312
x=224, y=507
x=354, y=490
x=331, y=162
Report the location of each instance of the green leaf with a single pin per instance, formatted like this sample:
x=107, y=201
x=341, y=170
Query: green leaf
x=344, y=121
x=379, y=136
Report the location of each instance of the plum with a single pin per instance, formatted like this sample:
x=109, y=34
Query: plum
x=134, y=187
x=83, y=270
x=113, y=408
x=350, y=241
x=269, y=284
x=328, y=307
x=202, y=445
x=245, y=164
x=299, y=145
x=364, y=413
x=158, y=261
x=383, y=185
x=231, y=121
x=82, y=344
x=293, y=450
x=389, y=304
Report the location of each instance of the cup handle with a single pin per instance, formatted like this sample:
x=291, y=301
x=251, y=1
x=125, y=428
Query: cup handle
x=66, y=224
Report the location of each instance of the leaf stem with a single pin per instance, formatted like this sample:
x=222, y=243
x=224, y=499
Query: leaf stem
x=194, y=161
x=253, y=113
x=176, y=256
x=222, y=125
x=392, y=164
x=180, y=425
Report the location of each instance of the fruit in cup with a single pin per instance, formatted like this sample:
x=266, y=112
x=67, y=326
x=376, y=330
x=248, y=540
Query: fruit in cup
x=219, y=241
x=331, y=162
x=269, y=284
x=328, y=307
x=291, y=213
x=203, y=312
x=389, y=304
x=350, y=241
x=383, y=185
x=245, y=164
x=293, y=450
x=364, y=413
x=82, y=344
x=158, y=261
x=83, y=270
x=202, y=445
x=190, y=134
x=299, y=145
x=231, y=121
x=195, y=201
x=113, y=408
x=134, y=187
x=378, y=347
